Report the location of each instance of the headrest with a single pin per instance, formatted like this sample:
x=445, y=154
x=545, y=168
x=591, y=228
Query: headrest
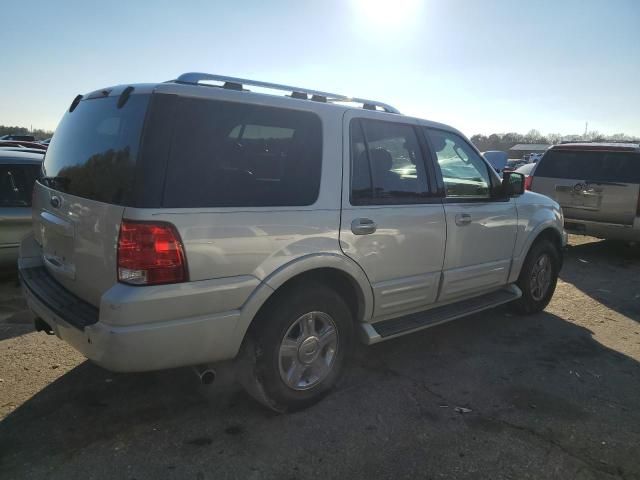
x=381, y=159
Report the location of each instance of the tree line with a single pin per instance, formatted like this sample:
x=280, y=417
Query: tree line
x=504, y=141
x=38, y=133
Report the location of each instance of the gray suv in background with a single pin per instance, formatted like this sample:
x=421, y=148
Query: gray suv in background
x=18, y=173
x=194, y=221
x=596, y=184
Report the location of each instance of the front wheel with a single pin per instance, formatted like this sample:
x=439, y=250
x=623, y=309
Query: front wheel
x=295, y=353
x=538, y=277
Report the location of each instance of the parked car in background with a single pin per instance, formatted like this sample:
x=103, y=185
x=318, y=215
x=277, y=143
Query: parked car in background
x=13, y=136
x=23, y=144
x=497, y=159
x=18, y=173
x=527, y=171
x=513, y=164
x=534, y=157
x=277, y=230
x=597, y=185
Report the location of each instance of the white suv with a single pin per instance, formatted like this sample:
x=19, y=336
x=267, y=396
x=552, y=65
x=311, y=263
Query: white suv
x=194, y=221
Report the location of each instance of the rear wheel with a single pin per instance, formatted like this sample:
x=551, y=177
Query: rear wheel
x=295, y=353
x=538, y=277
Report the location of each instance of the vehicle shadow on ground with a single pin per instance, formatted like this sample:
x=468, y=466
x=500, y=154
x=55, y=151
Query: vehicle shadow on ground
x=534, y=391
x=608, y=272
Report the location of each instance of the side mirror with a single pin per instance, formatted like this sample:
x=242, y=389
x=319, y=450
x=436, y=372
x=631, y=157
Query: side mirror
x=512, y=184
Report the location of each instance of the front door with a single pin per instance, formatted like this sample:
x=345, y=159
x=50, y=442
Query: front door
x=481, y=227
x=393, y=225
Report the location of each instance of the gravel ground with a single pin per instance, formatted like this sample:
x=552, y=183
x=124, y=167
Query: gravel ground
x=553, y=395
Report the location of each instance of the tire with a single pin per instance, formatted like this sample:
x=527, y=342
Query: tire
x=290, y=359
x=535, y=297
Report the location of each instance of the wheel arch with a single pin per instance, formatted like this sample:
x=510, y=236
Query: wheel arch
x=339, y=272
x=547, y=231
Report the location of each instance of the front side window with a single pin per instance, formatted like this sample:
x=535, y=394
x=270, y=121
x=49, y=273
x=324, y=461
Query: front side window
x=465, y=174
x=240, y=155
x=387, y=166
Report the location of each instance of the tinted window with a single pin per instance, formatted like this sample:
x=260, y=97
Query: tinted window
x=464, y=172
x=603, y=166
x=386, y=164
x=93, y=153
x=231, y=154
x=16, y=184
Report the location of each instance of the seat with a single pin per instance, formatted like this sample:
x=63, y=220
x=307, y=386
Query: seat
x=384, y=178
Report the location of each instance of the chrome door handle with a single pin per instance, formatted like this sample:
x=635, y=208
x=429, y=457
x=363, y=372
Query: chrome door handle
x=363, y=226
x=463, y=219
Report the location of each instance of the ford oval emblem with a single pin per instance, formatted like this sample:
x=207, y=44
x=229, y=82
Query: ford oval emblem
x=55, y=201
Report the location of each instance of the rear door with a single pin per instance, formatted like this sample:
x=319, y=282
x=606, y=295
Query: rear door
x=88, y=178
x=392, y=222
x=594, y=185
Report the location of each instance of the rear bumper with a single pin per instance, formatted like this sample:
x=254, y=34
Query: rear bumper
x=612, y=231
x=140, y=328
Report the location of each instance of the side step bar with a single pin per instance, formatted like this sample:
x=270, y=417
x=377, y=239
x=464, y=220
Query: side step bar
x=387, y=329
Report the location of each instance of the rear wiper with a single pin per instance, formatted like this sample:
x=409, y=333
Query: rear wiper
x=53, y=181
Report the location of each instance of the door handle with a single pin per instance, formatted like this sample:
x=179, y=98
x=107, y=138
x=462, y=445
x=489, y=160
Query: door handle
x=363, y=226
x=463, y=219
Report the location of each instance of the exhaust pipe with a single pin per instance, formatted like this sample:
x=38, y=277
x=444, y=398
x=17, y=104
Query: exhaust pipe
x=205, y=374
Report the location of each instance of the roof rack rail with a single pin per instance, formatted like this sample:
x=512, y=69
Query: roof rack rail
x=195, y=78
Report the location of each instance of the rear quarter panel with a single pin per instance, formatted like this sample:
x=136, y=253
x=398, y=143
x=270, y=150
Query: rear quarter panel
x=257, y=241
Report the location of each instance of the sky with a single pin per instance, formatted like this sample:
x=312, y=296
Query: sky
x=482, y=66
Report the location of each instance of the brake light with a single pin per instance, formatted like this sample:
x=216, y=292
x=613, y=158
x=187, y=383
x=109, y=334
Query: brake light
x=150, y=253
x=528, y=180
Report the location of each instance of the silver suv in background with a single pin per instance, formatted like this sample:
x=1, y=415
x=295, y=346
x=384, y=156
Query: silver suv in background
x=596, y=184
x=18, y=173
x=194, y=221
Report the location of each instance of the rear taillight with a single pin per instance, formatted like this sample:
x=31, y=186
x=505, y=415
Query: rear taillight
x=150, y=253
x=528, y=180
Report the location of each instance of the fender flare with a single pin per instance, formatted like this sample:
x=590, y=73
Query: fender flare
x=300, y=265
x=533, y=236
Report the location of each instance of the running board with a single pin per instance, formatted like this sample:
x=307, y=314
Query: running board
x=387, y=329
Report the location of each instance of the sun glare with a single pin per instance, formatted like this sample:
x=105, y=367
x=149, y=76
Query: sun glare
x=387, y=13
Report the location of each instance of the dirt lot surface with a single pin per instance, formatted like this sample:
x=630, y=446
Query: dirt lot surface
x=554, y=395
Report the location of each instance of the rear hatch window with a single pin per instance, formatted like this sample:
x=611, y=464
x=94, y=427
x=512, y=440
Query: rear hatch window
x=604, y=166
x=94, y=151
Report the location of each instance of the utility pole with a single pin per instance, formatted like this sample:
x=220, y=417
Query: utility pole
x=586, y=126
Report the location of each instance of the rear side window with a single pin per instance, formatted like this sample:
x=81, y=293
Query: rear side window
x=16, y=184
x=94, y=150
x=227, y=154
x=387, y=166
x=623, y=167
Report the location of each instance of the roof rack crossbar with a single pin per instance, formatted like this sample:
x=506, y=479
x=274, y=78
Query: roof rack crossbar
x=195, y=78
